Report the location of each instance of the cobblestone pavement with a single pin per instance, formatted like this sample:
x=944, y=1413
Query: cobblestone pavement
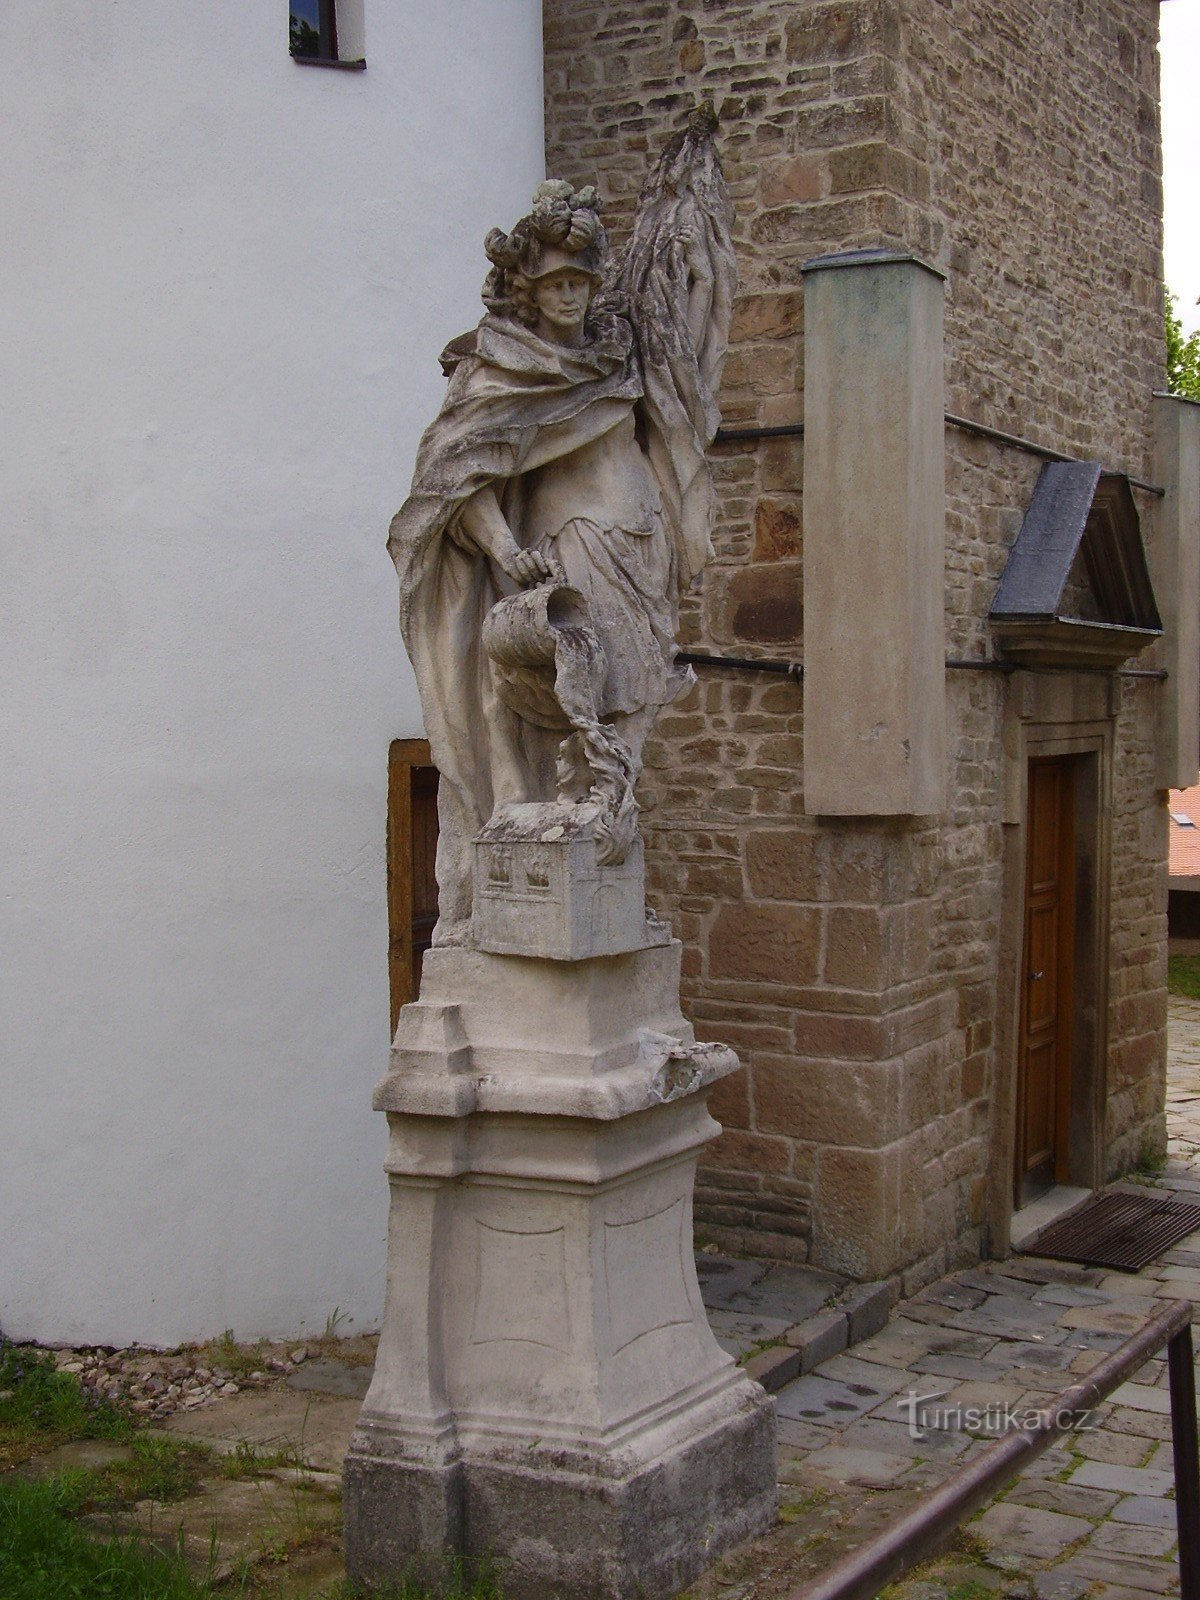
x=1093, y=1516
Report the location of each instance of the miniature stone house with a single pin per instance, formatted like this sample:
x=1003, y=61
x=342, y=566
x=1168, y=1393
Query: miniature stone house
x=913, y=814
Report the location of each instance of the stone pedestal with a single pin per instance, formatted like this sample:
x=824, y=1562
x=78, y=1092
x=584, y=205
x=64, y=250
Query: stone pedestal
x=547, y=1390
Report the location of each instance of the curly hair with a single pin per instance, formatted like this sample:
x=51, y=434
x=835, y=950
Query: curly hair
x=561, y=219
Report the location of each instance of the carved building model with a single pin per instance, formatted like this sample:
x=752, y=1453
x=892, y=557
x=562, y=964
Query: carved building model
x=920, y=876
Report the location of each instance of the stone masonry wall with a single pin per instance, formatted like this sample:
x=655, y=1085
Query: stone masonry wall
x=854, y=965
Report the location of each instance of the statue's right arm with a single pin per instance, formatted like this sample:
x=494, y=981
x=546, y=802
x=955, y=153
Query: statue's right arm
x=482, y=520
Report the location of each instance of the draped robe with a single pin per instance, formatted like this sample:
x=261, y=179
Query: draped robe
x=654, y=342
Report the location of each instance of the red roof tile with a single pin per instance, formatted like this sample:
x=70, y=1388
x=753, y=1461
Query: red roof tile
x=1185, y=841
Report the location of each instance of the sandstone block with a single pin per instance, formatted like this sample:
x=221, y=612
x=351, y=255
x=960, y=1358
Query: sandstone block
x=772, y=944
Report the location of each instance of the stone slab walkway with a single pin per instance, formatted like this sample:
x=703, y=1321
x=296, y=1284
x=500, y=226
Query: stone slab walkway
x=865, y=1435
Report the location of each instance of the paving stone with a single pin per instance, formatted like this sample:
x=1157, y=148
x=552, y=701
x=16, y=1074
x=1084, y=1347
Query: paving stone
x=1028, y=1531
x=1128, y=1539
x=1146, y=1424
x=774, y=1367
x=949, y=1293
x=941, y=1364
x=1092, y=1339
x=1029, y=1353
x=903, y=1341
x=794, y=1436
x=1068, y=1498
x=867, y=1307
x=316, y=1427
x=82, y=1453
x=784, y=1293
x=1040, y=1269
x=1069, y=1294
x=1142, y=1397
x=1056, y=1585
x=818, y=1338
x=1010, y=1317
x=1146, y=1510
x=1086, y=1360
x=828, y=1401
x=877, y=1433
x=1173, y=1272
x=869, y=1469
x=991, y=1281
x=1126, y=1572
x=722, y=1276
x=1125, y=1316
x=847, y=1368
x=1105, y=1444
x=1124, y=1480
x=1113, y=1591
x=330, y=1376
x=1161, y=1457
x=737, y=1332
x=930, y=1311
x=1050, y=1464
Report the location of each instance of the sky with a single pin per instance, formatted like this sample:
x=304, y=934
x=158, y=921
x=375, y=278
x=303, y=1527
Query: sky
x=1179, y=21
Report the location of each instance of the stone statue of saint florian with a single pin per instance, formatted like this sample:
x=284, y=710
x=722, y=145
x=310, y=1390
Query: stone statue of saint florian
x=562, y=502
x=547, y=1387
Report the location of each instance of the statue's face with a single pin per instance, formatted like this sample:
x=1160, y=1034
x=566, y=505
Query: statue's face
x=561, y=296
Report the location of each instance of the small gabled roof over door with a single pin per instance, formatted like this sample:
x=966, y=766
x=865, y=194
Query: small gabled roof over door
x=1076, y=589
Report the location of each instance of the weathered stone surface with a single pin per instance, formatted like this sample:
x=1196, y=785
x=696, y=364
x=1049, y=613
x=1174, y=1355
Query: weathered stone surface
x=818, y=1338
x=1147, y=1511
x=827, y=95
x=1029, y=1531
x=563, y=1377
x=867, y=1308
x=1125, y=1480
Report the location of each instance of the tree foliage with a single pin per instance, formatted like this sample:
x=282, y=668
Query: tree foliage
x=1183, y=355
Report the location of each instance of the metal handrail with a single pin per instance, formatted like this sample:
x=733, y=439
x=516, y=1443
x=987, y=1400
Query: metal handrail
x=864, y=1572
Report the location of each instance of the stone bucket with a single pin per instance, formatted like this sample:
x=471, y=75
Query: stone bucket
x=546, y=659
x=520, y=630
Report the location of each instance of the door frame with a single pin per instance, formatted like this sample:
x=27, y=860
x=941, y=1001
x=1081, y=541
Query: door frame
x=1055, y=714
x=1065, y=865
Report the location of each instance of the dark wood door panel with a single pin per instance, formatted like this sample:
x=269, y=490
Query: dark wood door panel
x=1046, y=979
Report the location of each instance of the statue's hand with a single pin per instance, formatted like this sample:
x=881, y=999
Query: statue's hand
x=524, y=566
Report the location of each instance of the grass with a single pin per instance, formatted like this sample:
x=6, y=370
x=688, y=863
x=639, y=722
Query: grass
x=156, y=1469
x=454, y=1580
x=42, y=1407
x=1183, y=976
x=46, y=1555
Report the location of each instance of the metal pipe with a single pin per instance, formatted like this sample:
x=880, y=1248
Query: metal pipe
x=1187, y=1460
x=794, y=669
x=789, y=669
x=783, y=430
x=862, y=1573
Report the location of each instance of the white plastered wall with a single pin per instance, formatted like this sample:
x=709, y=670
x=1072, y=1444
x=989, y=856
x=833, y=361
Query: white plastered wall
x=224, y=282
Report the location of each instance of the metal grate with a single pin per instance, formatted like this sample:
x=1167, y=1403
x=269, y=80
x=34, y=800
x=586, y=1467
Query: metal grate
x=1118, y=1229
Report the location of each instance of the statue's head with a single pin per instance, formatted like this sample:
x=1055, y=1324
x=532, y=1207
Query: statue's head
x=561, y=241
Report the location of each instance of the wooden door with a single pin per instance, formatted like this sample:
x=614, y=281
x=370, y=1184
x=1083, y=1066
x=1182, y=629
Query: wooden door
x=412, y=831
x=1047, y=980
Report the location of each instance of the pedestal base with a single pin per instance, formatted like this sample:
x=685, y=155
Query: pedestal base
x=610, y=1529
x=547, y=1390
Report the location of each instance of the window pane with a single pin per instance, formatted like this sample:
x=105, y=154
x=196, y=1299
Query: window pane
x=311, y=29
